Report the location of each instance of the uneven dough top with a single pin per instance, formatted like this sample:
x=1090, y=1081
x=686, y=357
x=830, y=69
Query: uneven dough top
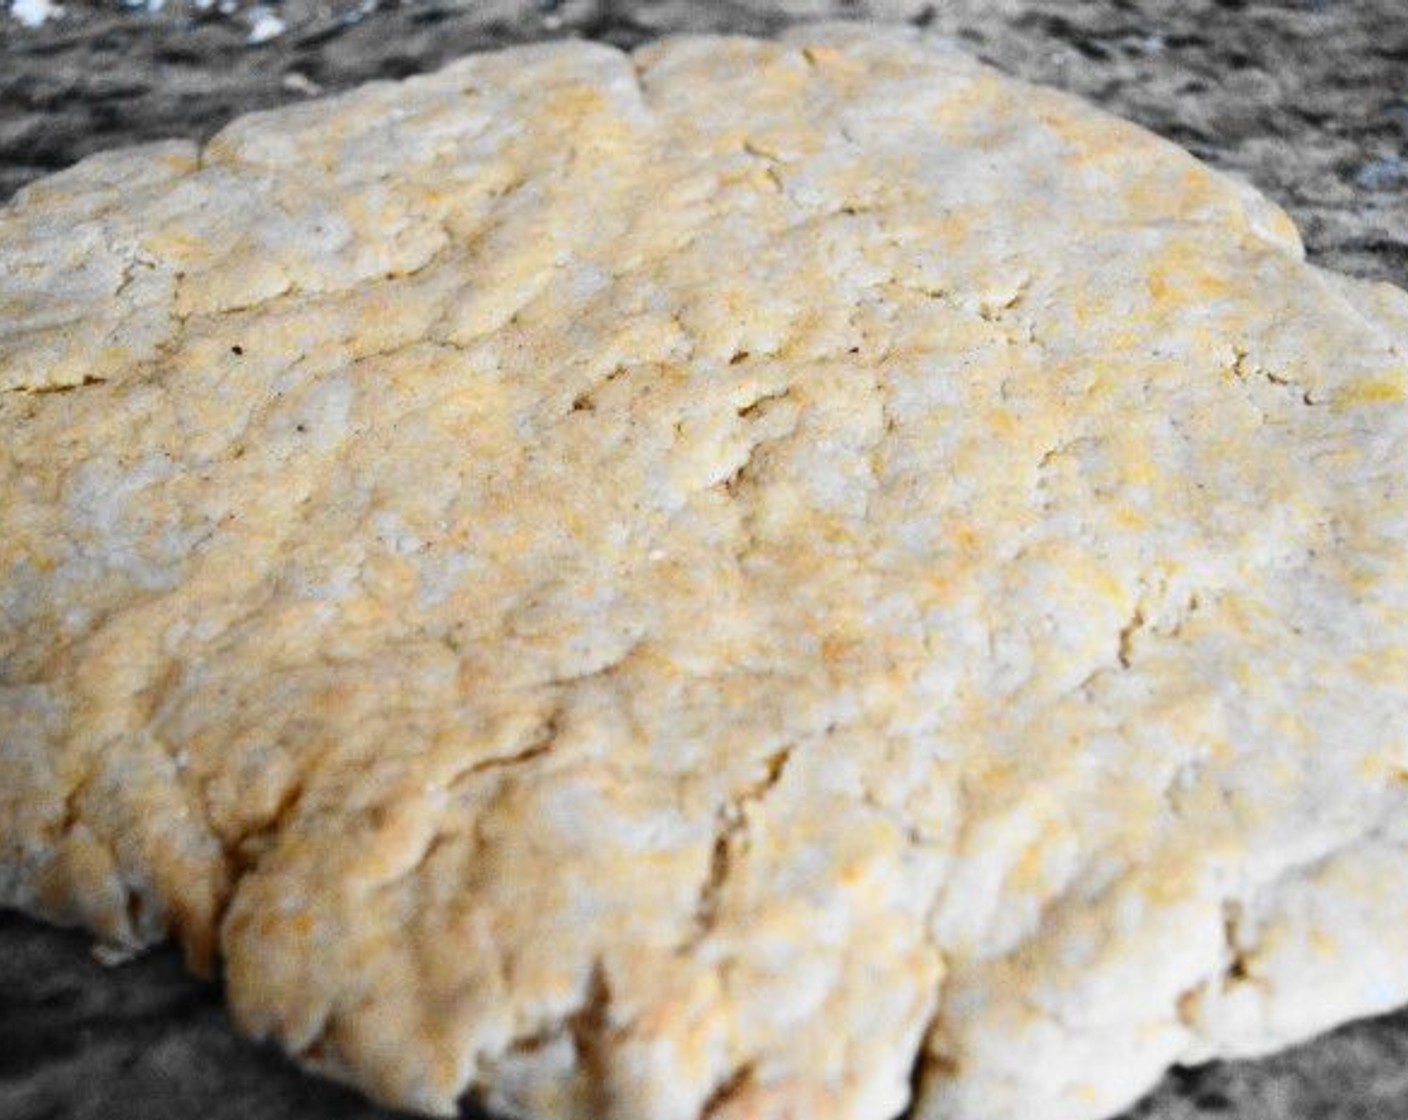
x=744, y=580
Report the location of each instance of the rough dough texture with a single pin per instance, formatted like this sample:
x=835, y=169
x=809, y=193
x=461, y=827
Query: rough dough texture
x=750, y=580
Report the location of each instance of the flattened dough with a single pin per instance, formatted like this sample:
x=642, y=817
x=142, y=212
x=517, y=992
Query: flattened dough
x=746, y=580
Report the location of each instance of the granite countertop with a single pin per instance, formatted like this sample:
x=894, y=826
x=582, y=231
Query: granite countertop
x=1307, y=99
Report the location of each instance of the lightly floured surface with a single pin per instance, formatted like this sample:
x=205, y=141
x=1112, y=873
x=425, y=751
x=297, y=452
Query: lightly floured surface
x=646, y=604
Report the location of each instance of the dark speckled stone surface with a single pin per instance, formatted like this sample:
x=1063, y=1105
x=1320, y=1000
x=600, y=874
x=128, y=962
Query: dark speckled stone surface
x=1308, y=99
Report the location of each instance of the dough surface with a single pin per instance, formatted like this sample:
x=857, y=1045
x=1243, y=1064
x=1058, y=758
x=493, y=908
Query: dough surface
x=750, y=580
